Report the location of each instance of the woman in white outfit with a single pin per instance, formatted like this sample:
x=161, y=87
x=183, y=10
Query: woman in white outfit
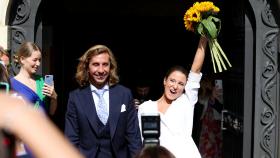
x=176, y=106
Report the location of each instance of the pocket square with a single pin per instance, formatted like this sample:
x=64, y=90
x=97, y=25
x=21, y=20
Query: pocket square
x=123, y=109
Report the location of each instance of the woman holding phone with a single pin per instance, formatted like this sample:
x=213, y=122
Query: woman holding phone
x=28, y=84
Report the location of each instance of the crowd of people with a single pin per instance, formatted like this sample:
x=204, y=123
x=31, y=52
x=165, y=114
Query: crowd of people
x=103, y=117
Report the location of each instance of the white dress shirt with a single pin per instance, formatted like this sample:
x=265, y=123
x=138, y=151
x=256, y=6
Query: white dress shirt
x=96, y=98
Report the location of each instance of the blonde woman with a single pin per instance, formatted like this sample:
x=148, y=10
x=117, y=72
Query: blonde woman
x=31, y=86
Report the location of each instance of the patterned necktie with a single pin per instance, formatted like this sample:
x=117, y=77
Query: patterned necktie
x=102, y=112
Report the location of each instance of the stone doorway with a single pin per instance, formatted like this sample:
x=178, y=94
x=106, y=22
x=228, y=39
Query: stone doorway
x=140, y=31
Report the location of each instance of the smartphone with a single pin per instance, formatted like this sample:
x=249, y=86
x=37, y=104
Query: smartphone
x=219, y=84
x=5, y=86
x=49, y=79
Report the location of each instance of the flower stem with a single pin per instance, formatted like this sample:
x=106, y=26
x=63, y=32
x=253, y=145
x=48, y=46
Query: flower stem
x=215, y=53
x=221, y=51
x=220, y=57
x=212, y=57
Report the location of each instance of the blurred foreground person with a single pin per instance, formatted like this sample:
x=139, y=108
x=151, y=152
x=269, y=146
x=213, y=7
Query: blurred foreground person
x=155, y=152
x=33, y=128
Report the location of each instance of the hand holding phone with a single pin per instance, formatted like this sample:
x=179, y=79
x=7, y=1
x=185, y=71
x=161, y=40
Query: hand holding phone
x=219, y=90
x=219, y=84
x=49, y=80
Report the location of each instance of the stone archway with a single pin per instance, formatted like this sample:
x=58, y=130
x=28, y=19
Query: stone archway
x=261, y=100
x=23, y=24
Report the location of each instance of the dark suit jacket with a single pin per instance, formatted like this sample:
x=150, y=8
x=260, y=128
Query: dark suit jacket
x=81, y=123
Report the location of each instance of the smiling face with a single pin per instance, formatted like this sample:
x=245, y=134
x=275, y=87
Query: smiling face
x=99, y=69
x=174, y=85
x=31, y=63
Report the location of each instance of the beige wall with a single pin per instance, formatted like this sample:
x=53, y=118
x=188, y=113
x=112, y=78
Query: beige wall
x=3, y=27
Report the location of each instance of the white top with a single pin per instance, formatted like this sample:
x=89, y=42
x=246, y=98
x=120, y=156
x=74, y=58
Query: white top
x=177, y=122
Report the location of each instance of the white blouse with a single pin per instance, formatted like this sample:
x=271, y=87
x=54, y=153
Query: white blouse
x=177, y=122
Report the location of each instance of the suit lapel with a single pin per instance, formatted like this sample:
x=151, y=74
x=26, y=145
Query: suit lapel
x=115, y=108
x=89, y=105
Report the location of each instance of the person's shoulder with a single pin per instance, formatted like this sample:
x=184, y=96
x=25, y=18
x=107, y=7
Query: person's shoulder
x=74, y=94
x=121, y=88
x=118, y=86
x=38, y=77
x=12, y=79
x=148, y=106
x=148, y=102
x=78, y=93
x=79, y=90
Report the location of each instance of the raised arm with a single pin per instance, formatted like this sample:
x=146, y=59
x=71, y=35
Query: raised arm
x=199, y=55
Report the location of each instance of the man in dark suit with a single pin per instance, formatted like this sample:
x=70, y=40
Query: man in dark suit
x=103, y=126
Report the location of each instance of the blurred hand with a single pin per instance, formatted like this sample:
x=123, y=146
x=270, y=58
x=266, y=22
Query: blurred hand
x=136, y=103
x=217, y=93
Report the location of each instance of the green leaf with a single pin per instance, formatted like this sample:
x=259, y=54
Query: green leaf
x=217, y=22
x=199, y=29
x=210, y=26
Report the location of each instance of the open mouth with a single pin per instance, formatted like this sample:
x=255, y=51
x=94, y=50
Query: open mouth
x=172, y=91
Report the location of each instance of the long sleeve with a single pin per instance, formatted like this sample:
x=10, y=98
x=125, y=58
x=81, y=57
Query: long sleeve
x=192, y=86
x=71, y=121
x=133, y=130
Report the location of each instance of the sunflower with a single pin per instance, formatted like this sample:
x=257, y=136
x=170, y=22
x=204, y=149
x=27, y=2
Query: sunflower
x=200, y=18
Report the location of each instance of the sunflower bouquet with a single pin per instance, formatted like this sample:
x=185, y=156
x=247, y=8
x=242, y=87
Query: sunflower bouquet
x=200, y=18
